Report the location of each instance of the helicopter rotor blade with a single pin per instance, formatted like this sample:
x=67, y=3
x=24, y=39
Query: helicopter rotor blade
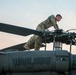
x=18, y=30
x=19, y=47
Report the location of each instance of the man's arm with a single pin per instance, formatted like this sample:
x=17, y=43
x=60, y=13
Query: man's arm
x=54, y=23
x=56, y=26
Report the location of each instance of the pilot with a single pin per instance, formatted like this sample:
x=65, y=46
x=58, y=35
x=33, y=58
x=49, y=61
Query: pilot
x=36, y=39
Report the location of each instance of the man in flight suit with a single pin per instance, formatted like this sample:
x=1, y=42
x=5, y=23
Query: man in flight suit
x=36, y=39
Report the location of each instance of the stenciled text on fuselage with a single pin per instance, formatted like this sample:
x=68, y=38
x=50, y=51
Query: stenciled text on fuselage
x=31, y=61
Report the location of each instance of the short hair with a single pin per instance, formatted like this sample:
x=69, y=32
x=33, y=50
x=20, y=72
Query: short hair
x=58, y=15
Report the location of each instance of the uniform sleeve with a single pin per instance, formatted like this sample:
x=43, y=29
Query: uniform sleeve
x=56, y=26
x=54, y=23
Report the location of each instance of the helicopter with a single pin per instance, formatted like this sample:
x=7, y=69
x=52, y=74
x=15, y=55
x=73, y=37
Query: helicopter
x=16, y=60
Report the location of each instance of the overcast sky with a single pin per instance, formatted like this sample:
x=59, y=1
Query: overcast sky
x=29, y=13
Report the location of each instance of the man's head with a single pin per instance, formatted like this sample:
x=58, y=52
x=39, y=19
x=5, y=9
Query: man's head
x=58, y=17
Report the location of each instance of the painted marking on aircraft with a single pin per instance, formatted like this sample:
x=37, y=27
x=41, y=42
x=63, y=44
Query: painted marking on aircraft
x=31, y=61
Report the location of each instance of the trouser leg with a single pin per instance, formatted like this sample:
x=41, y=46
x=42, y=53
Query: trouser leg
x=38, y=41
x=30, y=42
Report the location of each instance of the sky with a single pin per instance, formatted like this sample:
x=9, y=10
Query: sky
x=29, y=13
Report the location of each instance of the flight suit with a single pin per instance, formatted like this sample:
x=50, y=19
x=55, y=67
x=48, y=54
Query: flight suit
x=36, y=39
